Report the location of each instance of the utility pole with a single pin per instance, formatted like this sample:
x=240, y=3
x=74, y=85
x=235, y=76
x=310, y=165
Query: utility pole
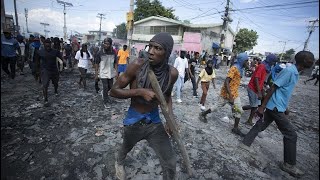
x=310, y=29
x=26, y=15
x=226, y=19
x=284, y=46
x=16, y=15
x=233, y=37
x=64, y=12
x=130, y=24
x=100, y=16
x=44, y=27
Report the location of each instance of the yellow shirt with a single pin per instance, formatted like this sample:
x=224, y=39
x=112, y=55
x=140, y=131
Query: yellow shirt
x=205, y=77
x=235, y=77
x=123, y=55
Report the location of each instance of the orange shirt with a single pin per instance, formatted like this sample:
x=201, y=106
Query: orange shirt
x=235, y=77
x=123, y=55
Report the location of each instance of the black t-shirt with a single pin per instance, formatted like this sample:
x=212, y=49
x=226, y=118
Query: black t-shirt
x=48, y=59
x=193, y=63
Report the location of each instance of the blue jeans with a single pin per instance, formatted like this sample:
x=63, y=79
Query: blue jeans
x=179, y=86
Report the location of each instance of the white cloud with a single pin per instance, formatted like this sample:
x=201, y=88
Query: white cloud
x=55, y=19
x=248, y=1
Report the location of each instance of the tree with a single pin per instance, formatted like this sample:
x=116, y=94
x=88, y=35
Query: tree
x=287, y=55
x=145, y=8
x=120, y=31
x=245, y=40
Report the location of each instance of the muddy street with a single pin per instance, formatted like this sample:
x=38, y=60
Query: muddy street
x=75, y=137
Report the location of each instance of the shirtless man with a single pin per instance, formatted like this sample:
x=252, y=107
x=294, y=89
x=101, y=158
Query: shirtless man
x=142, y=120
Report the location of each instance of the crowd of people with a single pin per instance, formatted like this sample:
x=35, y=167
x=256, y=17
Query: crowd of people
x=268, y=97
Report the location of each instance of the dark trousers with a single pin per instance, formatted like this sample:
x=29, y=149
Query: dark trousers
x=106, y=85
x=194, y=86
x=314, y=76
x=158, y=140
x=5, y=62
x=286, y=128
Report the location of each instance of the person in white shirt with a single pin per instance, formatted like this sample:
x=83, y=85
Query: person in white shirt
x=181, y=64
x=21, y=59
x=83, y=56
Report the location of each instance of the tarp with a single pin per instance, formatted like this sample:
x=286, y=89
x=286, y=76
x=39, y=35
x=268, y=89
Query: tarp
x=215, y=45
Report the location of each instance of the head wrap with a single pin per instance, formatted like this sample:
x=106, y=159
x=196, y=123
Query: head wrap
x=241, y=58
x=208, y=69
x=270, y=59
x=161, y=70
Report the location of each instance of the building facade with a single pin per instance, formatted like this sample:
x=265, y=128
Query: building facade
x=189, y=37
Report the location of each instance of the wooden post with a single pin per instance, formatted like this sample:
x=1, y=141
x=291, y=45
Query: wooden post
x=170, y=120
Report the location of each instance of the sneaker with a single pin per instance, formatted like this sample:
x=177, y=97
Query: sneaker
x=179, y=100
x=172, y=94
x=56, y=93
x=202, y=118
x=291, y=169
x=237, y=132
x=120, y=172
x=203, y=108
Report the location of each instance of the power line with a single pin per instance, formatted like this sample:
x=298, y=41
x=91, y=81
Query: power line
x=64, y=12
x=101, y=16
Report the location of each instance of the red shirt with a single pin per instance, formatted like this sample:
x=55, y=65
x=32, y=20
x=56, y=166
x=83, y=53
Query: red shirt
x=259, y=73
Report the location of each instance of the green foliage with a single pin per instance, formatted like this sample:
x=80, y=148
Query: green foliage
x=287, y=54
x=145, y=8
x=245, y=40
x=120, y=31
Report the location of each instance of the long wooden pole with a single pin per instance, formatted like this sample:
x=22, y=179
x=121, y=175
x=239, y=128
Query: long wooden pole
x=170, y=120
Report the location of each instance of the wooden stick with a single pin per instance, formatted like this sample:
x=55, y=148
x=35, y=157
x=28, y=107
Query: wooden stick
x=170, y=120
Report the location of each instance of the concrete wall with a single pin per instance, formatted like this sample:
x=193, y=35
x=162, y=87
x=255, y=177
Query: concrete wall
x=146, y=38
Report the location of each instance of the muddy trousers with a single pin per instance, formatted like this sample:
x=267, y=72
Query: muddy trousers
x=158, y=140
x=106, y=85
x=286, y=128
x=5, y=62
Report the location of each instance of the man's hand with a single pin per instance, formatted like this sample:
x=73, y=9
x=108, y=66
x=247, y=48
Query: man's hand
x=259, y=95
x=260, y=111
x=168, y=130
x=287, y=112
x=147, y=94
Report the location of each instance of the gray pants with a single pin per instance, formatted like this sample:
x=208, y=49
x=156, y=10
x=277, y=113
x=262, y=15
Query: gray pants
x=158, y=140
x=286, y=128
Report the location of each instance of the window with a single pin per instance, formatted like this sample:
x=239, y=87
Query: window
x=173, y=30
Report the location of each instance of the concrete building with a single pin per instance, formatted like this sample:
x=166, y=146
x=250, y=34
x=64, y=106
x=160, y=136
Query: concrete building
x=190, y=37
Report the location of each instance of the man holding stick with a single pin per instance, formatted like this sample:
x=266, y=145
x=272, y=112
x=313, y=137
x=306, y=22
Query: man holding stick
x=143, y=120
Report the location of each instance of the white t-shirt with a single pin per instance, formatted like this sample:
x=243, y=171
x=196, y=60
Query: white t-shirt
x=83, y=61
x=181, y=65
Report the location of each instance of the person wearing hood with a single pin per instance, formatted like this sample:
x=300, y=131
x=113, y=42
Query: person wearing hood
x=256, y=84
x=143, y=120
x=205, y=76
x=275, y=108
x=106, y=65
x=230, y=93
x=9, y=46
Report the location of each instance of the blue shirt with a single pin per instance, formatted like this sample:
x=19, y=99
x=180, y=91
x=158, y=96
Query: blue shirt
x=133, y=116
x=285, y=82
x=9, y=47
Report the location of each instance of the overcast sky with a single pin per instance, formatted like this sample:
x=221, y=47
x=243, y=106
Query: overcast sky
x=274, y=25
